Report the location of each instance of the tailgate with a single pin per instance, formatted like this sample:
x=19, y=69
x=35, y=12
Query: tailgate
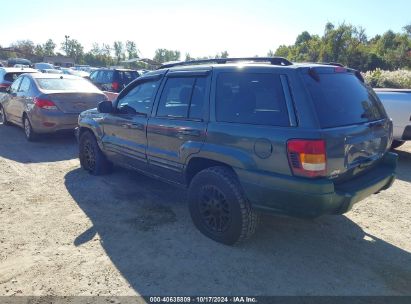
x=352, y=120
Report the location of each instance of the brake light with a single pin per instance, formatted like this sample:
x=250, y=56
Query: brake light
x=307, y=157
x=44, y=104
x=115, y=85
x=4, y=85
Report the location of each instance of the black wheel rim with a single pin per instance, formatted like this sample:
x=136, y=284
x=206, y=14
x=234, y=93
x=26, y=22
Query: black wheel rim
x=214, y=209
x=89, y=156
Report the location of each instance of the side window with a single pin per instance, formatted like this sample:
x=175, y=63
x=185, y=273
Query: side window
x=251, y=98
x=106, y=76
x=198, y=99
x=25, y=85
x=140, y=98
x=94, y=76
x=175, y=99
x=15, y=85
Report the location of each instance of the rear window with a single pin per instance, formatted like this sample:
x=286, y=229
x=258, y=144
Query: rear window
x=341, y=99
x=127, y=76
x=12, y=76
x=43, y=66
x=65, y=84
x=251, y=98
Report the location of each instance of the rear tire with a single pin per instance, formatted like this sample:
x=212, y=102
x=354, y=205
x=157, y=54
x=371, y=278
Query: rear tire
x=397, y=143
x=3, y=116
x=91, y=157
x=28, y=129
x=219, y=208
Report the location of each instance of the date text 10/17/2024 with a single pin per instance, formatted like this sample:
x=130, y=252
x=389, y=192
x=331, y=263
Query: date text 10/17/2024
x=203, y=299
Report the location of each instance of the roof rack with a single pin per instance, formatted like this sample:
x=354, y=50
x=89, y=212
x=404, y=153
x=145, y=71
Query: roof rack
x=272, y=60
x=332, y=63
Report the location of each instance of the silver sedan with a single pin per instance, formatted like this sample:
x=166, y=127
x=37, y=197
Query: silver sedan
x=47, y=103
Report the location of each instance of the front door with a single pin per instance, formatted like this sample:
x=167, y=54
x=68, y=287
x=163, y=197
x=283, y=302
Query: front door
x=10, y=106
x=125, y=130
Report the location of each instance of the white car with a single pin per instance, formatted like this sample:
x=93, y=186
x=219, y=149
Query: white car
x=397, y=103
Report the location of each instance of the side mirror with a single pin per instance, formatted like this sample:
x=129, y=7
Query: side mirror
x=105, y=107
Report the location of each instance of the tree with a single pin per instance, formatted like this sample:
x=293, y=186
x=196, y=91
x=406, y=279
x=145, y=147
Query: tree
x=188, y=57
x=39, y=51
x=73, y=49
x=24, y=47
x=131, y=49
x=119, y=50
x=164, y=55
x=223, y=54
x=48, y=48
x=303, y=38
x=407, y=29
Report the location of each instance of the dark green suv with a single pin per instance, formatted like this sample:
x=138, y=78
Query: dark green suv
x=246, y=136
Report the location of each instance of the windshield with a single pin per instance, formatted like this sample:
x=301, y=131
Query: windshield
x=65, y=84
x=341, y=99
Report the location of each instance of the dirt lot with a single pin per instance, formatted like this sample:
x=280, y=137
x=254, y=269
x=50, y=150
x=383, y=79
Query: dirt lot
x=64, y=232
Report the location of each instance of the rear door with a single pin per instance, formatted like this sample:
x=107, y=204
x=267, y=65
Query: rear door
x=352, y=120
x=178, y=126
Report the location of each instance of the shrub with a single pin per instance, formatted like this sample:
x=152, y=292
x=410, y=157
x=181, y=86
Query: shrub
x=400, y=79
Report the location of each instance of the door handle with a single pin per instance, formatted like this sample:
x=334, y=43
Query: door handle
x=189, y=132
x=137, y=126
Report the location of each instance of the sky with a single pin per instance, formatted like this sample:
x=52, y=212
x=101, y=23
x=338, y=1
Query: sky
x=201, y=28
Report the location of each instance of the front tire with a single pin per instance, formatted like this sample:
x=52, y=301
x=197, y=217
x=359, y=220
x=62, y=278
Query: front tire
x=219, y=208
x=91, y=157
x=28, y=129
x=397, y=143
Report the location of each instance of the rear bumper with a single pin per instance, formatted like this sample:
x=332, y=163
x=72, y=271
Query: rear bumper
x=49, y=122
x=311, y=198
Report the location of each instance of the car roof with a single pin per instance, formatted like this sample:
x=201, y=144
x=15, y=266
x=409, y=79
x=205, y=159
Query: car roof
x=14, y=70
x=122, y=70
x=55, y=76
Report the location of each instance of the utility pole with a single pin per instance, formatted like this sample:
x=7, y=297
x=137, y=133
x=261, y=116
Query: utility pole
x=67, y=37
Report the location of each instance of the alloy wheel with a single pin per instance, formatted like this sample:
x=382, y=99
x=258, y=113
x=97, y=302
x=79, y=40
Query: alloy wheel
x=214, y=209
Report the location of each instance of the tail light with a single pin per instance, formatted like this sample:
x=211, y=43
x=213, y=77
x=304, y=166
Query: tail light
x=44, y=104
x=4, y=85
x=115, y=85
x=307, y=157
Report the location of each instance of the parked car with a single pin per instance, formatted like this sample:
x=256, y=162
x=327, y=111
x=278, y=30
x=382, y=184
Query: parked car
x=397, y=103
x=45, y=67
x=247, y=137
x=112, y=80
x=8, y=75
x=47, y=103
x=12, y=61
x=75, y=72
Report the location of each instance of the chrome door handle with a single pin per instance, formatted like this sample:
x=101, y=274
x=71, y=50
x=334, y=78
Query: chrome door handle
x=137, y=126
x=189, y=132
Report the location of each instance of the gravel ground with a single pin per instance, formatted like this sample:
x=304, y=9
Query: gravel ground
x=64, y=232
